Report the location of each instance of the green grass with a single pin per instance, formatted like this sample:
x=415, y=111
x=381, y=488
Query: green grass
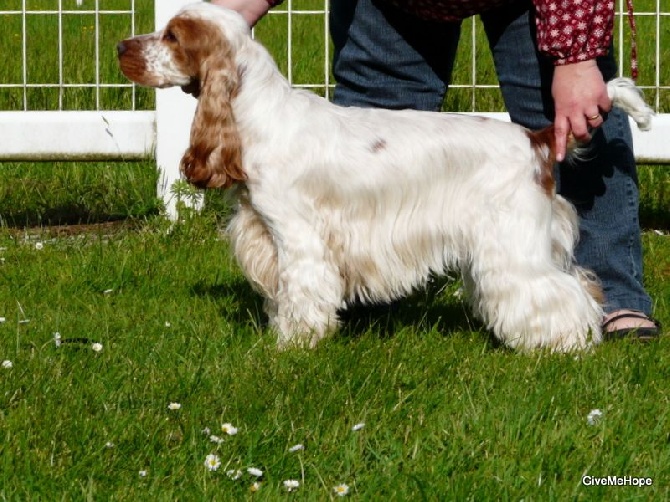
x=448, y=415
x=47, y=193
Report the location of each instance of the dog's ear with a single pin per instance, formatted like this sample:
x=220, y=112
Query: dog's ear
x=214, y=156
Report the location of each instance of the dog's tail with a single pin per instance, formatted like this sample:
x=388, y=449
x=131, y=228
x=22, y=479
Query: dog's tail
x=625, y=95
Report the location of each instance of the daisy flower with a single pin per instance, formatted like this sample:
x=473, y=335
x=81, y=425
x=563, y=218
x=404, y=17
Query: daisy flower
x=2, y=319
x=341, y=490
x=206, y=431
x=7, y=364
x=594, y=417
x=174, y=406
x=255, y=486
x=358, y=427
x=229, y=429
x=143, y=474
x=234, y=474
x=255, y=472
x=212, y=462
x=216, y=439
x=291, y=484
x=97, y=347
x=296, y=447
x=39, y=246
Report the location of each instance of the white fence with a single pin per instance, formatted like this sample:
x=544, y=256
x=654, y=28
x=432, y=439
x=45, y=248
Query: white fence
x=27, y=135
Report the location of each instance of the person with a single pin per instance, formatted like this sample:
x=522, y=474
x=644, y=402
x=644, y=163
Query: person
x=552, y=59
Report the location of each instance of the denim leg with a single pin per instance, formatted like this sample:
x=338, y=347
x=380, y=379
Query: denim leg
x=385, y=58
x=603, y=188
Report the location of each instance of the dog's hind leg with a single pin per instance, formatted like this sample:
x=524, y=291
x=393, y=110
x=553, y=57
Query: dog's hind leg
x=564, y=236
x=518, y=288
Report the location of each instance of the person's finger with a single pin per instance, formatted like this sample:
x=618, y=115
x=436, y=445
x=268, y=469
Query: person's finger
x=561, y=131
x=580, y=128
x=594, y=120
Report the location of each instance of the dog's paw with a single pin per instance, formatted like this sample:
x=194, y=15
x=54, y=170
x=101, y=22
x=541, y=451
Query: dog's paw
x=297, y=341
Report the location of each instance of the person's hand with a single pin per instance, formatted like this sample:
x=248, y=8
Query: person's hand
x=251, y=10
x=580, y=99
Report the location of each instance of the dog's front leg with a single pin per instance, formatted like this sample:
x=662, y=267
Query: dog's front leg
x=309, y=295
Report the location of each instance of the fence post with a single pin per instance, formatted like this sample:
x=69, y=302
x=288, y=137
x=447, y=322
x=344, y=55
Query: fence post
x=174, y=113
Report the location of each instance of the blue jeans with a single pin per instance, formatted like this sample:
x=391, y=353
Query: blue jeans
x=387, y=58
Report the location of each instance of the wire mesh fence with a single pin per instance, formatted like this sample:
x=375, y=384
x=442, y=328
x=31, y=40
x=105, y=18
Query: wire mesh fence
x=67, y=53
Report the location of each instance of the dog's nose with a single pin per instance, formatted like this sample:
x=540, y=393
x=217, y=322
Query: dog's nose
x=121, y=47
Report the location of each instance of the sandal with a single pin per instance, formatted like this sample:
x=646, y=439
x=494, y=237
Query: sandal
x=641, y=333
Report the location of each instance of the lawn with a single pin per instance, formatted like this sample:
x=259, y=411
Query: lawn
x=106, y=327
x=448, y=414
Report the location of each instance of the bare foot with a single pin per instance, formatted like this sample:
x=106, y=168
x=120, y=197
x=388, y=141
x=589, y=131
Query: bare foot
x=636, y=319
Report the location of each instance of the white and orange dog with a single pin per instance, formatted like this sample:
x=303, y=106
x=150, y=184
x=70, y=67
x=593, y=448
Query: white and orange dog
x=338, y=204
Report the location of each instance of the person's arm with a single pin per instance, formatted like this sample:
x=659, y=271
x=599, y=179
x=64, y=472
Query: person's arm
x=574, y=34
x=251, y=10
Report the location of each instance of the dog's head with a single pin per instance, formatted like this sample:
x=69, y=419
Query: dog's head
x=197, y=50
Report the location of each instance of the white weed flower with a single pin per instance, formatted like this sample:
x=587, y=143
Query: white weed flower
x=167, y=324
x=296, y=447
x=109, y=444
x=215, y=439
x=212, y=462
x=358, y=427
x=255, y=472
x=174, y=406
x=341, y=490
x=57, y=339
x=97, y=347
x=206, y=431
x=594, y=417
x=255, y=486
x=234, y=474
x=229, y=429
x=2, y=319
x=291, y=484
x=7, y=364
x=39, y=246
x=143, y=474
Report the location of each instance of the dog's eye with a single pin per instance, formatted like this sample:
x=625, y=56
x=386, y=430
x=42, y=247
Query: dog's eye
x=169, y=36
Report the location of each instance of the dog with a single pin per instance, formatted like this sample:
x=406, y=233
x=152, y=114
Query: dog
x=339, y=205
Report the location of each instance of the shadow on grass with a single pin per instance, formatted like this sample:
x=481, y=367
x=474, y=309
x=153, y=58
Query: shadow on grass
x=424, y=310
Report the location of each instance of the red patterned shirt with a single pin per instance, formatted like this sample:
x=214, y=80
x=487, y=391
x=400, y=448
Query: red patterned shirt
x=567, y=30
